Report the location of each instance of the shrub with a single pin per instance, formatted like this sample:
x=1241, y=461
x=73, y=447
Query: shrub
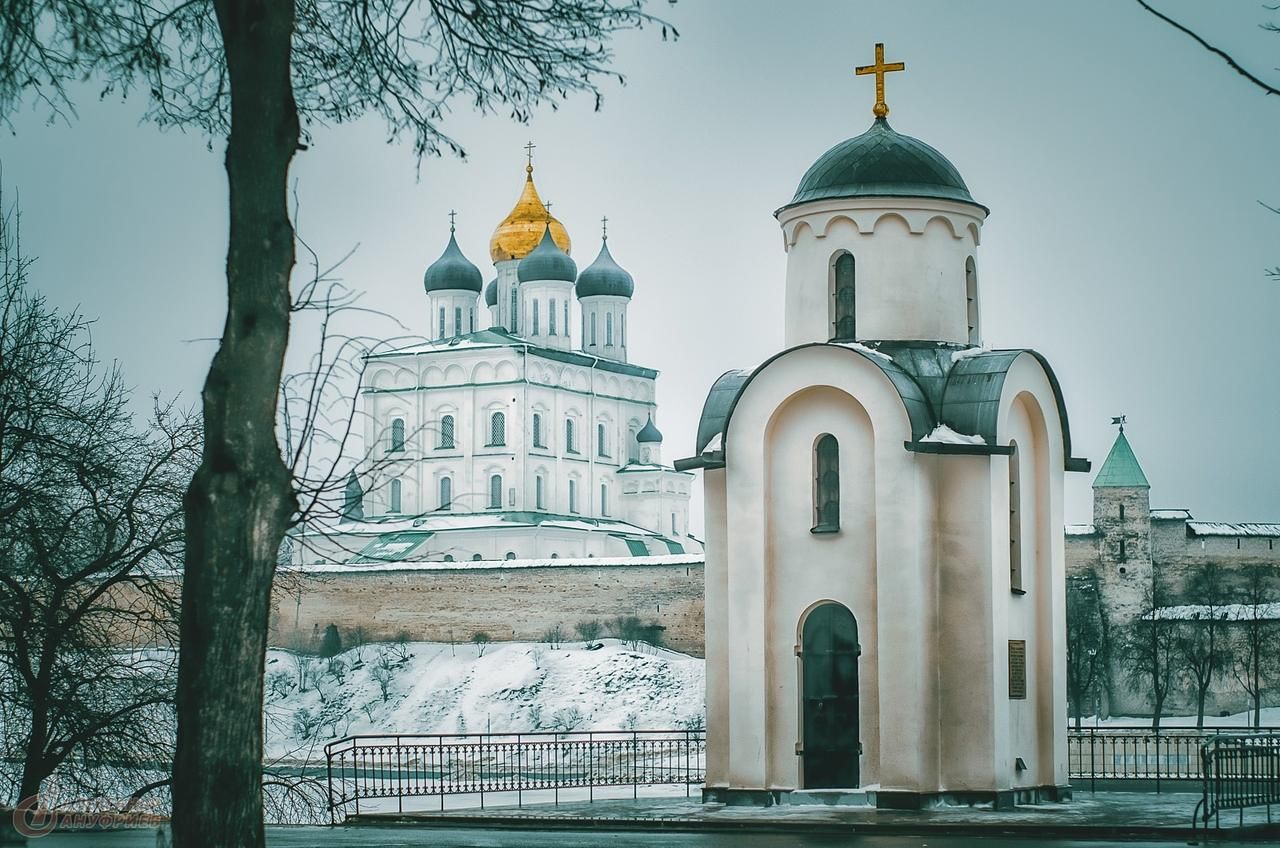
x=331, y=642
x=553, y=636
x=588, y=631
x=481, y=640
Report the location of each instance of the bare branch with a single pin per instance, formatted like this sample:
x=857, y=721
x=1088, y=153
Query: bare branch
x=1226, y=57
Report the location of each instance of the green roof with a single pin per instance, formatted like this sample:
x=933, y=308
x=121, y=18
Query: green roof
x=1121, y=469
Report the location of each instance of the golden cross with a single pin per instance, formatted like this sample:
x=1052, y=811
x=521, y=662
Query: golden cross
x=881, y=109
x=528, y=150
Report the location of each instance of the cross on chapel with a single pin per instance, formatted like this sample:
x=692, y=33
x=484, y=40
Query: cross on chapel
x=880, y=68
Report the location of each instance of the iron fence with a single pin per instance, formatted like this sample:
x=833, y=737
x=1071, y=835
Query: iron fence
x=406, y=766
x=1139, y=753
x=1240, y=771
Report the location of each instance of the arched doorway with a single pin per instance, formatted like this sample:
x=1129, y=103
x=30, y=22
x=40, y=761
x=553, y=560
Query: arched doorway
x=829, y=675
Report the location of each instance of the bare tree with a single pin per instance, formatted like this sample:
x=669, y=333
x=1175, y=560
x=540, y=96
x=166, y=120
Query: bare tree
x=90, y=517
x=1086, y=650
x=1150, y=663
x=258, y=73
x=1257, y=660
x=1200, y=643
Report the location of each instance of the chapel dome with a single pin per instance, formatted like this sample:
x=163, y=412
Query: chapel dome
x=452, y=271
x=605, y=277
x=491, y=293
x=882, y=163
x=547, y=262
x=520, y=232
x=649, y=433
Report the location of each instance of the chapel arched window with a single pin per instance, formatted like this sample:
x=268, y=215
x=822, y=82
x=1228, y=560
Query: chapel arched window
x=537, y=430
x=573, y=496
x=843, y=305
x=569, y=445
x=826, y=485
x=497, y=430
x=495, y=491
x=446, y=432
x=538, y=492
x=602, y=445
x=393, y=496
x=397, y=435
x=971, y=300
x=446, y=493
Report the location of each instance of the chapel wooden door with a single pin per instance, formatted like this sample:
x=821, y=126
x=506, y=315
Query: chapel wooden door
x=829, y=671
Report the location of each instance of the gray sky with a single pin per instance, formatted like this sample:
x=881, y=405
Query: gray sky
x=1122, y=165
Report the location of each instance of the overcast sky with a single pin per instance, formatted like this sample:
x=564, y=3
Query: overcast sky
x=1123, y=166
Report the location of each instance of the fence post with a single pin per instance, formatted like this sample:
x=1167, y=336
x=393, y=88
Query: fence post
x=1157, y=759
x=1093, y=759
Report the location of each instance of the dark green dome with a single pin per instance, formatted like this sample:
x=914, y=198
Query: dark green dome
x=882, y=163
x=491, y=293
x=649, y=433
x=605, y=277
x=452, y=272
x=547, y=262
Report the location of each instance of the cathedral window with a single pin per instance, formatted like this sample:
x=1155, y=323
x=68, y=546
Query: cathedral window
x=446, y=432
x=515, y=310
x=608, y=330
x=1015, y=520
x=393, y=499
x=440, y=334
x=1122, y=512
x=457, y=320
x=534, y=325
x=471, y=320
x=538, y=488
x=602, y=445
x=397, y=435
x=622, y=329
x=551, y=318
x=826, y=484
x=593, y=328
x=604, y=498
x=446, y=493
x=569, y=445
x=573, y=497
x=497, y=430
x=633, y=447
x=842, y=299
x=566, y=317
x=537, y=430
x=971, y=299
x=495, y=491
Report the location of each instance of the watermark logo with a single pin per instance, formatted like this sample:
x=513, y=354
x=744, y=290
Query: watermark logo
x=32, y=820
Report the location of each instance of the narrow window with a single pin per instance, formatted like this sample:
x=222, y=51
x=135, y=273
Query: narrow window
x=633, y=447
x=602, y=448
x=593, y=328
x=971, y=299
x=537, y=492
x=471, y=320
x=495, y=492
x=446, y=431
x=569, y=447
x=446, y=493
x=441, y=333
x=674, y=531
x=826, y=485
x=1015, y=520
x=551, y=318
x=1122, y=512
x=566, y=317
x=842, y=299
x=573, y=496
x=515, y=310
x=1124, y=556
x=497, y=430
x=622, y=329
x=608, y=330
x=397, y=435
x=457, y=320
x=537, y=430
x=583, y=340
x=394, y=499
x=604, y=499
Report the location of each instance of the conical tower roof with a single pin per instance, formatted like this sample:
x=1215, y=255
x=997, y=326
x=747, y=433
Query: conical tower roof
x=1121, y=469
x=520, y=232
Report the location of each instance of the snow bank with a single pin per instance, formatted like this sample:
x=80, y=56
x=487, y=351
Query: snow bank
x=945, y=435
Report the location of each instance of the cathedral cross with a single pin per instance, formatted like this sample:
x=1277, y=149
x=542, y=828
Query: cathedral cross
x=452, y=215
x=528, y=151
x=880, y=68
x=604, y=228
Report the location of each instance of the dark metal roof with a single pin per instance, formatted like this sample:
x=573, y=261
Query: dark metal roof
x=649, y=433
x=452, y=272
x=547, y=262
x=716, y=408
x=882, y=163
x=605, y=277
x=491, y=293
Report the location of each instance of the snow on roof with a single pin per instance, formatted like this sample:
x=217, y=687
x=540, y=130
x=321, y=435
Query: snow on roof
x=945, y=435
x=1081, y=529
x=1226, y=612
x=1220, y=528
x=864, y=349
x=1171, y=514
x=561, y=562
x=965, y=353
x=716, y=443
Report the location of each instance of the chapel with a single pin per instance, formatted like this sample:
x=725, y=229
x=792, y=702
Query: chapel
x=884, y=511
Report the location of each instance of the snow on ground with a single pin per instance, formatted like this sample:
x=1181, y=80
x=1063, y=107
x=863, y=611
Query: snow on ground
x=507, y=687
x=1243, y=721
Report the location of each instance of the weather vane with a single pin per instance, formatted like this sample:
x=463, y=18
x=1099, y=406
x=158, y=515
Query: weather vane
x=1120, y=419
x=880, y=68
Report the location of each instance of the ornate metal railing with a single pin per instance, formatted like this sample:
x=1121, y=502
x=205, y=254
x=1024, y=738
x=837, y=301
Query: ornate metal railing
x=1139, y=753
x=1240, y=771
x=406, y=766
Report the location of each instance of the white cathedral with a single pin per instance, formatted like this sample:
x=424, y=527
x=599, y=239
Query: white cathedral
x=885, y=600
x=513, y=442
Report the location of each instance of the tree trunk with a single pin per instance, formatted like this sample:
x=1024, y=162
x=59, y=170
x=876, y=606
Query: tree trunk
x=241, y=498
x=1200, y=696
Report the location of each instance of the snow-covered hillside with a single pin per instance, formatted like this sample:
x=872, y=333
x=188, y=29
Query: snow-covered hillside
x=427, y=687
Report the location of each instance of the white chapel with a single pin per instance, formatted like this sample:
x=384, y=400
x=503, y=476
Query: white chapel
x=884, y=509
x=519, y=429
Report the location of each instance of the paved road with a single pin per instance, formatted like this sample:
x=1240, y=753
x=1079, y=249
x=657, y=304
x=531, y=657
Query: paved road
x=399, y=837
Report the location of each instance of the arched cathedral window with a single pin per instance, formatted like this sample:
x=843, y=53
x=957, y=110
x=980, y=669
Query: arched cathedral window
x=593, y=328
x=602, y=444
x=826, y=484
x=569, y=446
x=457, y=320
x=842, y=299
x=537, y=430
x=538, y=489
x=397, y=435
x=1015, y=520
x=393, y=499
x=534, y=325
x=604, y=498
x=971, y=299
x=608, y=329
x=573, y=496
x=495, y=491
x=551, y=318
x=446, y=431
x=515, y=310
x=566, y=317
x=497, y=430
x=441, y=325
x=446, y=493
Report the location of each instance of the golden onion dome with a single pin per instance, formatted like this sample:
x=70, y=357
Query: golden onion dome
x=520, y=232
